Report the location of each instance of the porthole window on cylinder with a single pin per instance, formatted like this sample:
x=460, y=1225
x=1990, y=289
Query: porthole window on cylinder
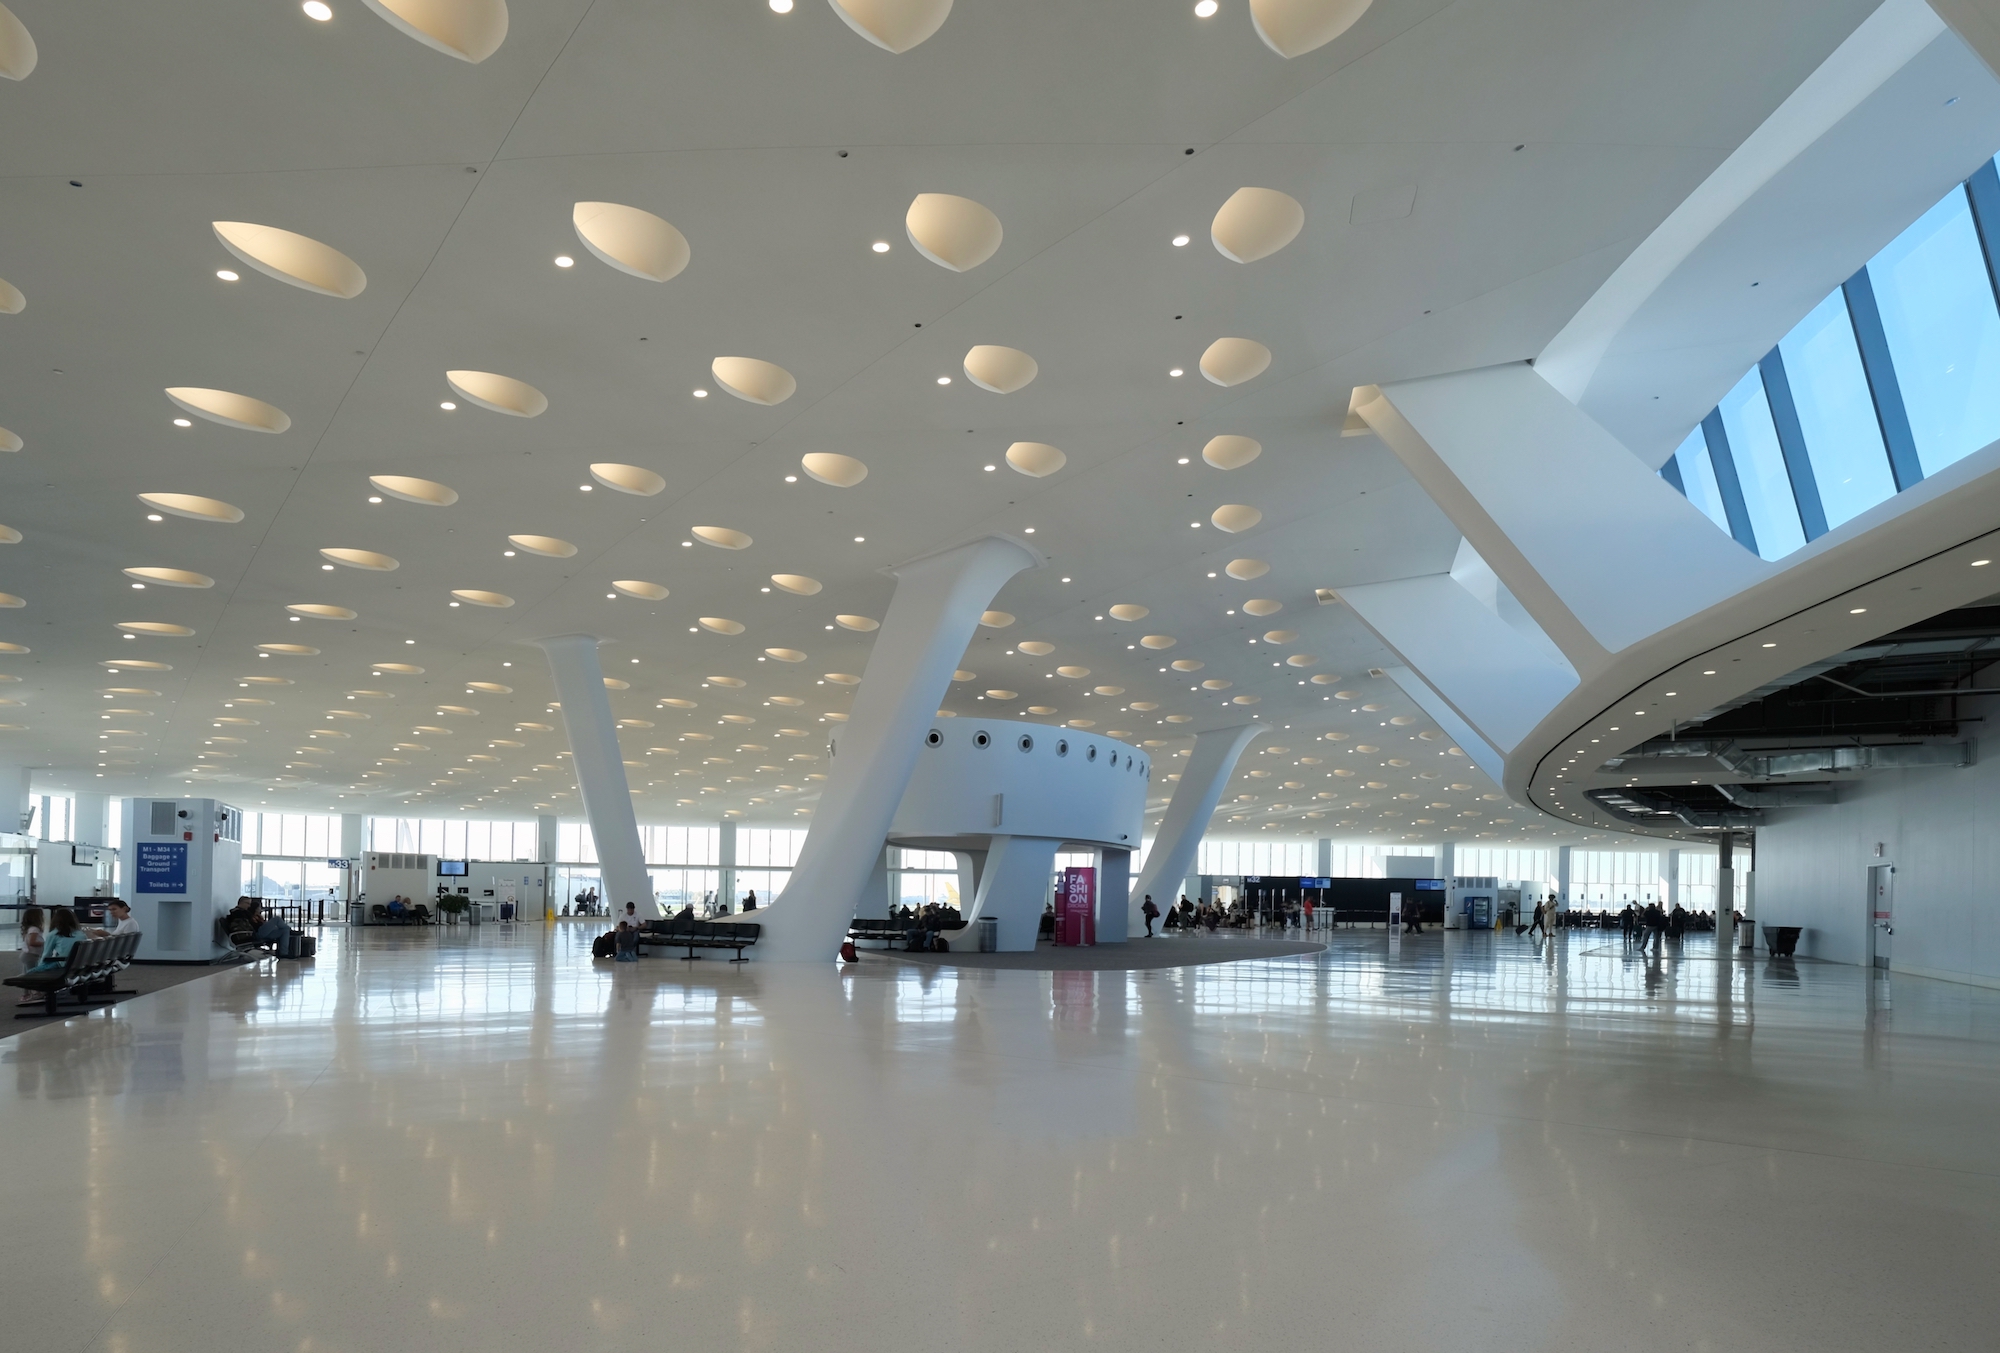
x=982, y=738
x=935, y=739
x=1027, y=743
x=1091, y=755
x=1062, y=746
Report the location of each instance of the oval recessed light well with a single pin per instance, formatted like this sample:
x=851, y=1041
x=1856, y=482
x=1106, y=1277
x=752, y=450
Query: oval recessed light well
x=10, y=441
x=631, y=240
x=170, y=577
x=470, y=30
x=319, y=611
x=797, y=584
x=1280, y=636
x=963, y=675
x=365, y=559
x=1130, y=611
x=952, y=232
x=10, y=602
x=1036, y=648
x=632, y=479
x=500, y=394
x=1246, y=699
x=786, y=654
x=546, y=546
x=1109, y=690
x=398, y=668
x=1235, y=517
x=1002, y=694
x=17, y=46
x=1217, y=684
x=1232, y=361
x=490, y=687
x=749, y=378
x=290, y=650
x=1001, y=370
x=722, y=537
x=193, y=507
x=843, y=678
x=474, y=597
x=1038, y=460
x=843, y=472
x=1301, y=660
x=424, y=491
x=1157, y=641
x=640, y=588
x=1325, y=678
x=1231, y=452
x=12, y=302
x=1073, y=672
x=1243, y=570
x=893, y=25
x=1256, y=223
x=229, y=409
x=614, y=684
x=859, y=623
x=1263, y=606
x=716, y=624
x=294, y=258
x=1294, y=27
x=1187, y=664
x=998, y=620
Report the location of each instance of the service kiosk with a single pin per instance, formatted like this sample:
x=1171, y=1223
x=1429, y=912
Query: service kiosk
x=186, y=871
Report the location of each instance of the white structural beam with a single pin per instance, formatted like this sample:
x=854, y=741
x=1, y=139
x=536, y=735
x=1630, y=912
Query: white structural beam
x=931, y=619
x=1209, y=765
x=14, y=780
x=600, y=768
x=1117, y=918
x=1013, y=889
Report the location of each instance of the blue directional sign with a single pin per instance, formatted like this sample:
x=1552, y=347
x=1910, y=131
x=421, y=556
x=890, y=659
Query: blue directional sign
x=162, y=867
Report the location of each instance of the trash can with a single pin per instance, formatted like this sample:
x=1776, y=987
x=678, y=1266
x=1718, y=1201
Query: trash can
x=357, y=913
x=987, y=928
x=1782, y=940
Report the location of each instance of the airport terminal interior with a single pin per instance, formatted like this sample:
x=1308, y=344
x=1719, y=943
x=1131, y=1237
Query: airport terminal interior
x=925, y=811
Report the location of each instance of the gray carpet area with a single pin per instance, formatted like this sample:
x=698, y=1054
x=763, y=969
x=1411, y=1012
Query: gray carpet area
x=141, y=979
x=1176, y=951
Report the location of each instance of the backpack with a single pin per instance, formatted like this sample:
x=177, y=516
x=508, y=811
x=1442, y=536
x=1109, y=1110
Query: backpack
x=605, y=945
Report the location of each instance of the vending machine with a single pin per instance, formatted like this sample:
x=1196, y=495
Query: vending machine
x=185, y=872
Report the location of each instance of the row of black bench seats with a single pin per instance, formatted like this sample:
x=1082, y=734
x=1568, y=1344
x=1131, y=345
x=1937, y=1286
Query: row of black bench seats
x=88, y=974
x=889, y=930
x=694, y=934
x=379, y=914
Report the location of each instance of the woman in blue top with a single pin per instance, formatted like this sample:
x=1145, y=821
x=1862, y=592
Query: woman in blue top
x=64, y=936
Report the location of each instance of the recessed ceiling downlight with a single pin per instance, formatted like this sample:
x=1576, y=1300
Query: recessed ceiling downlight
x=1256, y=223
x=797, y=584
x=842, y=472
x=952, y=232
x=546, y=546
x=230, y=410
x=1001, y=370
x=753, y=379
x=470, y=30
x=1037, y=460
x=190, y=506
x=318, y=611
x=1130, y=611
x=500, y=394
x=638, y=587
x=368, y=559
x=170, y=577
x=630, y=240
x=294, y=258
x=1232, y=361
x=632, y=479
x=861, y=624
x=17, y=47
x=1231, y=452
x=893, y=25
x=1294, y=27
x=1243, y=570
x=722, y=537
x=422, y=491
x=716, y=624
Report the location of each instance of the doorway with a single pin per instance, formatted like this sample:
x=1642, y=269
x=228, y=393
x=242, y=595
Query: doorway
x=1881, y=913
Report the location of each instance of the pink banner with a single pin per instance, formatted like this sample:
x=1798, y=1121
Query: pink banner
x=1076, y=907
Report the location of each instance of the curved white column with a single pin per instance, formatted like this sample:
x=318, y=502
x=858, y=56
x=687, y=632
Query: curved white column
x=937, y=606
x=1207, y=772
x=600, y=768
x=1013, y=890
x=1116, y=917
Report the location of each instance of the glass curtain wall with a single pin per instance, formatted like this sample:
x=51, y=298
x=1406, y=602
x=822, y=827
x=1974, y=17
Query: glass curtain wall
x=285, y=857
x=1890, y=379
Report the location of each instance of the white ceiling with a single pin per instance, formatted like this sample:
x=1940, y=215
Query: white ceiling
x=1542, y=138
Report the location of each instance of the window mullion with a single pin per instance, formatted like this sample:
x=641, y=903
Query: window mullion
x=1882, y=383
x=1792, y=442
x=1726, y=482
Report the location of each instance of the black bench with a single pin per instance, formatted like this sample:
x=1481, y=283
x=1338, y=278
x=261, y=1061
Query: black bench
x=90, y=963
x=693, y=934
x=379, y=914
x=877, y=928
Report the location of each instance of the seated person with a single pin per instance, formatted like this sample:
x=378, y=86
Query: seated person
x=64, y=935
x=628, y=942
x=684, y=915
x=119, y=914
x=399, y=907
x=32, y=938
x=249, y=928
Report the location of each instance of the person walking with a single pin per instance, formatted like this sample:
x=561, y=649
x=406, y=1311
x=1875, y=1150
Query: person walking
x=1541, y=920
x=1151, y=913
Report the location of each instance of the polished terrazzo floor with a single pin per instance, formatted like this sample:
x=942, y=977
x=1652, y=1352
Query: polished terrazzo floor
x=476, y=1139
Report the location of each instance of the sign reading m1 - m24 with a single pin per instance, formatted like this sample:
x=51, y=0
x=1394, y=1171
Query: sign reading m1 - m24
x=161, y=867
